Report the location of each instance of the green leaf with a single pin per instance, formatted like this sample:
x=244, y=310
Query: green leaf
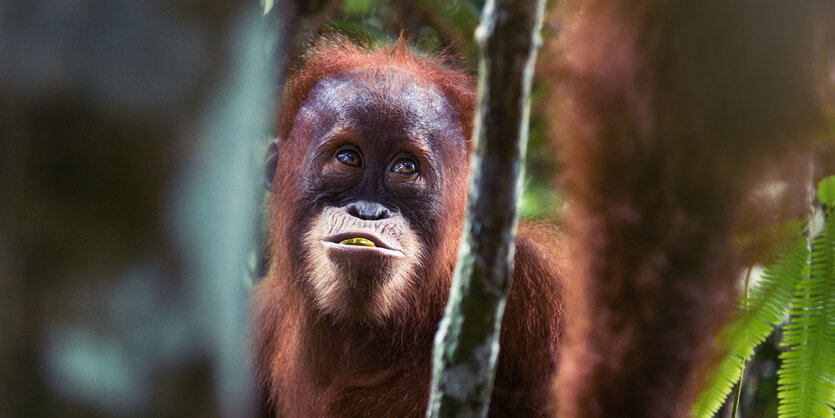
x=826, y=191
x=807, y=376
x=768, y=305
x=358, y=7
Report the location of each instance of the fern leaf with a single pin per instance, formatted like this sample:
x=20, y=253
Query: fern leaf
x=826, y=191
x=768, y=305
x=806, y=385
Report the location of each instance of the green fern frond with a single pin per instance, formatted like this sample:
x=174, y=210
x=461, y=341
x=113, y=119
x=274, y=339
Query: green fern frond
x=826, y=191
x=807, y=377
x=768, y=305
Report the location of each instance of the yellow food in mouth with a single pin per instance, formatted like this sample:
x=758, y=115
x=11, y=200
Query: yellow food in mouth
x=358, y=241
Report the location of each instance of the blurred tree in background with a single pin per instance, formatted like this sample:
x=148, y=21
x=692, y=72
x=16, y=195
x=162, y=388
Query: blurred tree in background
x=126, y=175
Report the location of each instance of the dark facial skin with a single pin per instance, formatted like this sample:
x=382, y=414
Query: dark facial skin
x=382, y=151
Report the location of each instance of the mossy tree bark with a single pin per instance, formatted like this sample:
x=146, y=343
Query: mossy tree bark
x=467, y=344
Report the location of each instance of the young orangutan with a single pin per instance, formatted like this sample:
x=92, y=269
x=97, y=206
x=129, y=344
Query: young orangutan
x=369, y=182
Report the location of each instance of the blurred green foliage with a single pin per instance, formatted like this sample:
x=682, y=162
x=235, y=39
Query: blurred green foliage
x=127, y=183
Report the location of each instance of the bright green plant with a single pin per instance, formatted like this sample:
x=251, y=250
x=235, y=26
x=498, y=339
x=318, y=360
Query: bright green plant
x=799, y=286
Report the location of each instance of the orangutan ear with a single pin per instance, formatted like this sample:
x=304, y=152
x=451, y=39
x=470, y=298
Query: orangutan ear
x=270, y=163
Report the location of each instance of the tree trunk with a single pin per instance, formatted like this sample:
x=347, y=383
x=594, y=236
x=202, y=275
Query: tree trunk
x=467, y=343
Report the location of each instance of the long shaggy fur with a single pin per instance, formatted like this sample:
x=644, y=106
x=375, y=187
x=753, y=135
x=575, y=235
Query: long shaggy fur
x=666, y=107
x=310, y=363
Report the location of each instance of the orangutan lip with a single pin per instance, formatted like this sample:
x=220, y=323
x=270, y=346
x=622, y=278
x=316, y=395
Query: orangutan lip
x=380, y=245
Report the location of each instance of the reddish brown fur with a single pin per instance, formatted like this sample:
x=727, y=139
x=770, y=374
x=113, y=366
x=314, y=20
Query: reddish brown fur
x=310, y=366
x=667, y=107
x=337, y=55
x=340, y=373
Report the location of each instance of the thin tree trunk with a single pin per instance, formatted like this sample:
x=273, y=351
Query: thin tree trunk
x=467, y=343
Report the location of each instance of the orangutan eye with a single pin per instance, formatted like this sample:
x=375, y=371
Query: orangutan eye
x=404, y=166
x=349, y=158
